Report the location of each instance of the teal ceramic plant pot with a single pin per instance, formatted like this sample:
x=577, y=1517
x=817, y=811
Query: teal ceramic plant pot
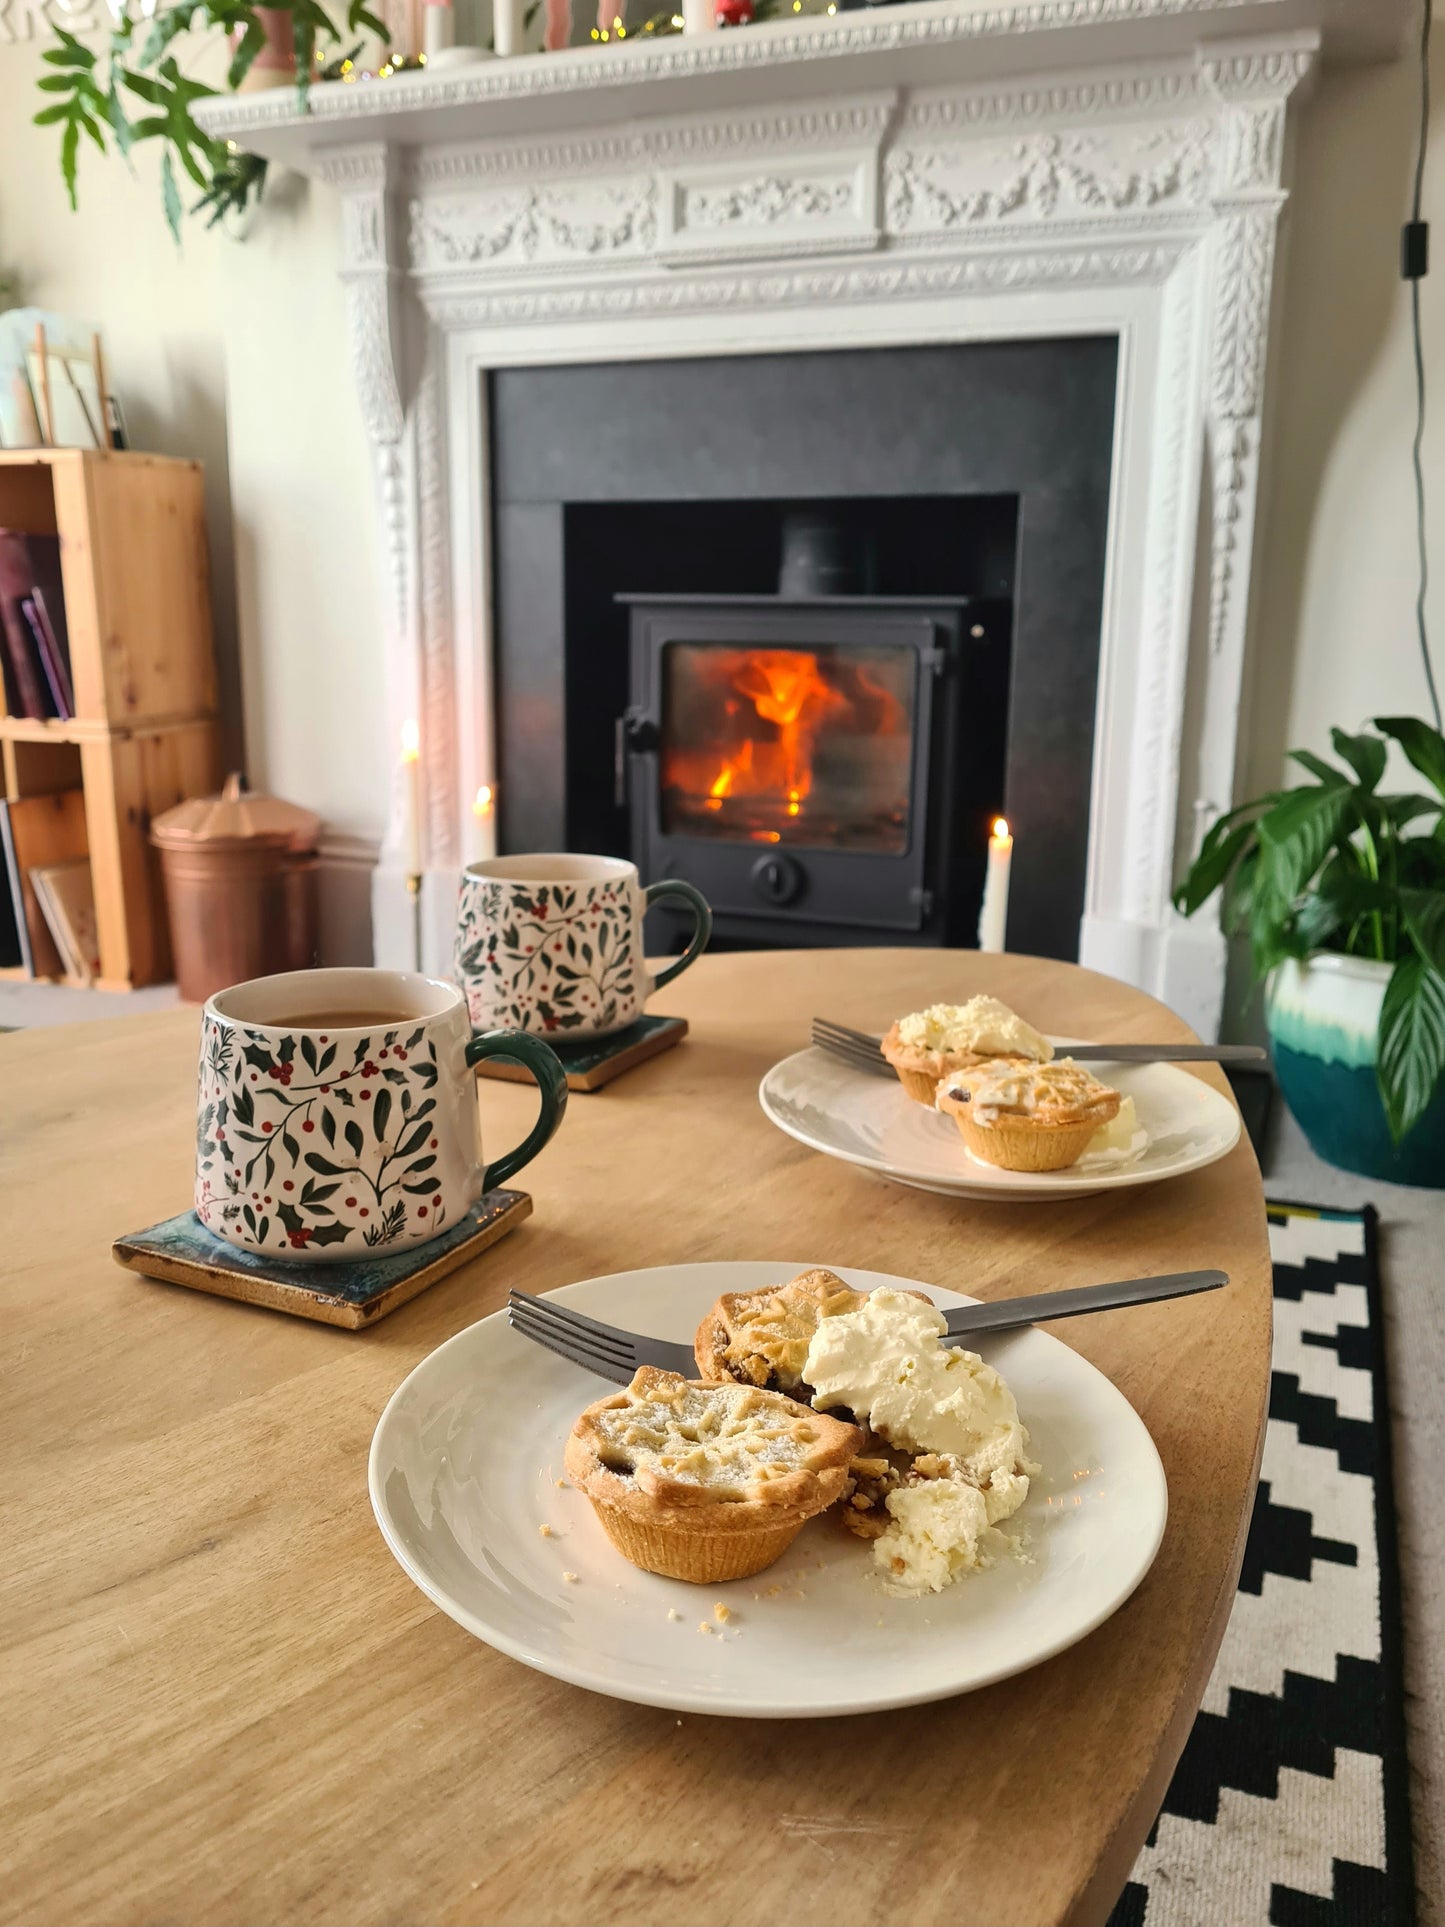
x=1324, y=1016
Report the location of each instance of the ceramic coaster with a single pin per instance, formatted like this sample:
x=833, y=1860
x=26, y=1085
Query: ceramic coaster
x=182, y=1252
x=594, y=1061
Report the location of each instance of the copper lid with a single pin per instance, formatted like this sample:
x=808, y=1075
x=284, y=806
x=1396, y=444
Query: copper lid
x=235, y=818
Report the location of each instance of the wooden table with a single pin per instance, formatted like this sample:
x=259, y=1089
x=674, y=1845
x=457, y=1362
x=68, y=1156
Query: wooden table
x=224, y=1702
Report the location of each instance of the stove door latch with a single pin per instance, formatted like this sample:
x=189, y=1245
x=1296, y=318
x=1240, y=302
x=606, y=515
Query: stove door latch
x=634, y=734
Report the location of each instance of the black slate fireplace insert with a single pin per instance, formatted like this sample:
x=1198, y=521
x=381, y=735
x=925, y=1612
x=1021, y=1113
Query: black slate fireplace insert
x=822, y=755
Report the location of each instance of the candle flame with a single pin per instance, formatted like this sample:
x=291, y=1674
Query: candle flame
x=1001, y=829
x=485, y=802
x=410, y=740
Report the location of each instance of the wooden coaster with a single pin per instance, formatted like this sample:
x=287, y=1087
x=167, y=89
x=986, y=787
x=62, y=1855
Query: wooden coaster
x=594, y=1061
x=354, y=1294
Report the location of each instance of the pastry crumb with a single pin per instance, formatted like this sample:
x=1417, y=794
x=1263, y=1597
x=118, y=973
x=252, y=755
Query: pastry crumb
x=570, y=1577
x=722, y=1611
x=546, y=1532
x=561, y=1485
x=673, y=1613
x=706, y=1626
x=773, y=1591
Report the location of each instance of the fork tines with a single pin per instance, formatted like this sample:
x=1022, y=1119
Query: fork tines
x=855, y=1047
x=570, y=1334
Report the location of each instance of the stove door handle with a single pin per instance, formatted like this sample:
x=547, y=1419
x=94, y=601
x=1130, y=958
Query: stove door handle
x=633, y=734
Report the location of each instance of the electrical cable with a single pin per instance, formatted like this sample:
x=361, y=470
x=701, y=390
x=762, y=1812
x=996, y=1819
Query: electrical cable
x=1414, y=263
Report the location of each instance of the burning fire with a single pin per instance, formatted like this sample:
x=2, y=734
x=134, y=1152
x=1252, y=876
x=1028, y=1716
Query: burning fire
x=787, y=688
x=747, y=729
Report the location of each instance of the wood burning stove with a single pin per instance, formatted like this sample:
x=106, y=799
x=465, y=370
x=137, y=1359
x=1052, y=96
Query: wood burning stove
x=808, y=761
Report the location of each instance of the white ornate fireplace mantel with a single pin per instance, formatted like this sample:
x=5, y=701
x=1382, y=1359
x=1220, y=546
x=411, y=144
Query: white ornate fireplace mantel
x=926, y=173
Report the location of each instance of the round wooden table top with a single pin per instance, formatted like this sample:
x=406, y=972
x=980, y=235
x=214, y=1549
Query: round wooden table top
x=225, y=1702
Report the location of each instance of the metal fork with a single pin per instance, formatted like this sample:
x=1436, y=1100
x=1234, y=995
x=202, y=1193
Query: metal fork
x=616, y=1354
x=861, y=1048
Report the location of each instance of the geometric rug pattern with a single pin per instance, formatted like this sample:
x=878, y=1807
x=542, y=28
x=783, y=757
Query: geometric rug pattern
x=1290, y=1803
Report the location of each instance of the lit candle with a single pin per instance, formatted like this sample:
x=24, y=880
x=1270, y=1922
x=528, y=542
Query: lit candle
x=993, y=912
x=484, y=810
x=411, y=794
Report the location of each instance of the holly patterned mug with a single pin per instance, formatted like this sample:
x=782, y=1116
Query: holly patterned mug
x=338, y=1113
x=553, y=944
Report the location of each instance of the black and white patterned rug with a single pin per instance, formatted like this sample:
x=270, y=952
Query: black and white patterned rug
x=1290, y=1803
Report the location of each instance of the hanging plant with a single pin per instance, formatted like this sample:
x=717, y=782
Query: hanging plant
x=135, y=91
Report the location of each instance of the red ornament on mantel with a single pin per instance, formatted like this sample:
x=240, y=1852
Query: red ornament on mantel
x=734, y=13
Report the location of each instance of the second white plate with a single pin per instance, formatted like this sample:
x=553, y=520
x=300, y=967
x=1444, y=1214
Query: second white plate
x=869, y=1121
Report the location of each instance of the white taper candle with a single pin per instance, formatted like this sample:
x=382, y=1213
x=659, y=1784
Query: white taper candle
x=993, y=912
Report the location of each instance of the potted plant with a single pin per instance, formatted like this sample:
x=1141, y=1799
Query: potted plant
x=135, y=90
x=1341, y=891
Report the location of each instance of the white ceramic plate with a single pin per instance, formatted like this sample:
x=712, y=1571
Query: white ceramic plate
x=463, y=1474
x=826, y=1104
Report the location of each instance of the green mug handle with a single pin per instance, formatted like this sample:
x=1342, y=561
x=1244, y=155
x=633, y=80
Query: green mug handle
x=702, y=928
x=546, y=1067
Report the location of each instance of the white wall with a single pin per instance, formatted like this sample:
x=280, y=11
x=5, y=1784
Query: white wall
x=1333, y=629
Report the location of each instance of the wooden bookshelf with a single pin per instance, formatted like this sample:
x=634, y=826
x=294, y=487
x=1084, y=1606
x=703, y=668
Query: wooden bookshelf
x=138, y=609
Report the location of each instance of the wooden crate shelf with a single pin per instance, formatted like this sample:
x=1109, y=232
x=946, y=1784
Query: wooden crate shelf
x=137, y=602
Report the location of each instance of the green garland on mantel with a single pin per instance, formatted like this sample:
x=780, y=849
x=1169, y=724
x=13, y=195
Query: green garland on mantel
x=135, y=91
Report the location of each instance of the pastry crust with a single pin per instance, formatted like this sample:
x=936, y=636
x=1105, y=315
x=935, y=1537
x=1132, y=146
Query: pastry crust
x=921, y=1071
x=1033, y=1117
x=706, y=1482
x=762, y=1337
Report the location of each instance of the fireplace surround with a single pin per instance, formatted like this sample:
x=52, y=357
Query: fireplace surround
x=978, y=171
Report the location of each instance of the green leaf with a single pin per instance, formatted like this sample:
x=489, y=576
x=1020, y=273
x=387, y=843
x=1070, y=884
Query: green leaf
x=324, y=1165
x=69, y=146
x=171, y=197
x=48, y=116
x=1403, y=810
x=246, y=50
x=329, y=1234
x=1425, y=920
x=1411, y=1042
x=1364, y=754
x=360, y=16
x=119, y=124
x=1208, y=871
x=57, y=84
x=1316, y=765
x=380, y=1112
x=165, y=25
x=149, y=90
x=70, y=53
x=1424, y=746
x=354, y=1137
x=1296, y=835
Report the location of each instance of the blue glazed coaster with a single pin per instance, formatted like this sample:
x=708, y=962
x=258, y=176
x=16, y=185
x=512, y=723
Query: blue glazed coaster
x=594, y=1061
x=182, y=1252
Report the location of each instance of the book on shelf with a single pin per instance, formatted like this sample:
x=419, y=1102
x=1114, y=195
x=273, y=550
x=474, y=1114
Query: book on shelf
x=15, y=892
x=40, y=833
x=54, y=661
x=67, y=902
x=34, y=639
